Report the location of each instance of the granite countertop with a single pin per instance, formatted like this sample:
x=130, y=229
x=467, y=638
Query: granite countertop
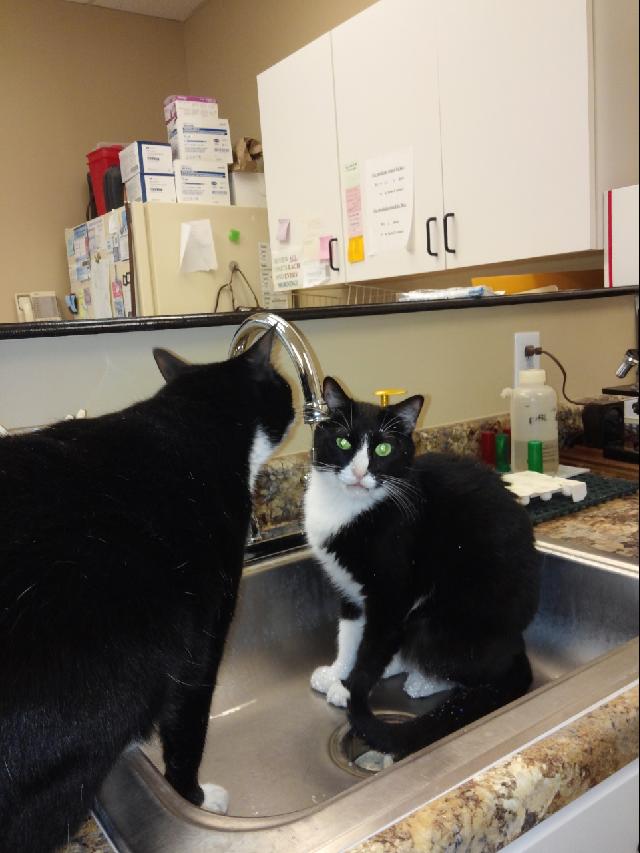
x=500, y=803
x=610, y=528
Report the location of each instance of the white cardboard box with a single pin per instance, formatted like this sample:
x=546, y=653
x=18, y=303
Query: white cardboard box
x=205, y=182
x=191, y=141
x=188, y=108
x=144, y=187
x=148, y=157
x=248, y=189
x=621, y=245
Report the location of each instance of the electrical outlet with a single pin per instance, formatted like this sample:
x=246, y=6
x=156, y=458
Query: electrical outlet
x=520, y=361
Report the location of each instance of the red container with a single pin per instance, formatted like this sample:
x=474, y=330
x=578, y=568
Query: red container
x=98, y=162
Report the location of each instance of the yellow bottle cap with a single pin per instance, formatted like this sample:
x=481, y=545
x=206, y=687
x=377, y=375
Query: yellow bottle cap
x=386, y=393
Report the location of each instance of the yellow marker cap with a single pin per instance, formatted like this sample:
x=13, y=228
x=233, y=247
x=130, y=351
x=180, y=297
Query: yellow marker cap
x=386, y=393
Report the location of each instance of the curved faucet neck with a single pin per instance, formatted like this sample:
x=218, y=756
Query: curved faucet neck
x=315, y=409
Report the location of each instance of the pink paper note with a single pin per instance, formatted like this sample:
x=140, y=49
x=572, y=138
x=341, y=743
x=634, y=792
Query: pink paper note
x=325, y=254
x=283, y=230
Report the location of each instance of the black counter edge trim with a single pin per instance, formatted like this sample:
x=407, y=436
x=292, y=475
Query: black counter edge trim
x=55, y=329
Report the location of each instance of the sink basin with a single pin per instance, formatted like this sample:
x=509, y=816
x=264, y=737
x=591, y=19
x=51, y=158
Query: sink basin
x=281, y=750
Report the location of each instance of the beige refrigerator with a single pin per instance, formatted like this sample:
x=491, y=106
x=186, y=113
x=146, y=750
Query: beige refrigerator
x=163, y=233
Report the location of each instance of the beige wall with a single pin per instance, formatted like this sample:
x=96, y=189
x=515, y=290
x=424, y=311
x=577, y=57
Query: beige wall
x=72, y=75
x=229, y=43
x=460, y=359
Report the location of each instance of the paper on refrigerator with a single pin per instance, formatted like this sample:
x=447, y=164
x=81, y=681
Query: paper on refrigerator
x=388, y=193
x=197, y=248
x=100, y=289
x=270, y=299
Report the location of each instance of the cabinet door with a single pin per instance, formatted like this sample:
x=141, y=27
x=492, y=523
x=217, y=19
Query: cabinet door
x=515, y=112
x=386, y=91
x=297, y=115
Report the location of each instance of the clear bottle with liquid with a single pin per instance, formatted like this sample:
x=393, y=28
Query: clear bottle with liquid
x=534, y=417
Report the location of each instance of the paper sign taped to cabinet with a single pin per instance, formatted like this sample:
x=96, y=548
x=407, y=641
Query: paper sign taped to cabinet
x=314, y=273
x=283, y=230
x=197, y=249
x=388, y=192
x=286, y=269
x=325, y=248
x=355, y=250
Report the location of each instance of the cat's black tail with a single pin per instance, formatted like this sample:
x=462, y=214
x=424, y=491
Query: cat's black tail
x=464, y=705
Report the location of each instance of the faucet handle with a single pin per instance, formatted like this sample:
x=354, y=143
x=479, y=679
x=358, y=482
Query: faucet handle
x=386, y=393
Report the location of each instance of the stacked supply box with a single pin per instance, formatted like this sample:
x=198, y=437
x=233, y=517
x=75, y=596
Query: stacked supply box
x=188, y=108
x=201, y=147
x=191, y=141
x=202, y=182
x=147, y=171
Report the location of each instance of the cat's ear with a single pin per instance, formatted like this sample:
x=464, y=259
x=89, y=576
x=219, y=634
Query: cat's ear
x=333, y=394
x=169, y=365
x=259, y=353
x=408, y=411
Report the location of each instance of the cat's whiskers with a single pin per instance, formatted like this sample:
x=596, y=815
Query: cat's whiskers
x=184, y=683
x=339, y=414
x=326, y=466
x=396, y=497
x=400, y=493
x=404, y=484
x=387, y=425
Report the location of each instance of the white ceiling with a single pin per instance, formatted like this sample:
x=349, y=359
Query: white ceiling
x=175, y=10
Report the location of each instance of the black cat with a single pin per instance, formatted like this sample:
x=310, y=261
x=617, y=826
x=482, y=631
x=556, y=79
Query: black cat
x=436, y=567
x=121, y=551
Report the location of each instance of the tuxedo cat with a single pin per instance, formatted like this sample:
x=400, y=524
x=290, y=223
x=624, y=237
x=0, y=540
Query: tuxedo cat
x=121, y=549
x=436, y=568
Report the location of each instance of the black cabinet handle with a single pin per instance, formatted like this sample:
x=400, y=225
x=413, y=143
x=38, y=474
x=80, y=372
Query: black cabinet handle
x=445, y=224
x=429, y=249
x=331, y=264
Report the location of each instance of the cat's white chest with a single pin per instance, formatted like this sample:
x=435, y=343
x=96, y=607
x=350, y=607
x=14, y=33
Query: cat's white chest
x=326, y=510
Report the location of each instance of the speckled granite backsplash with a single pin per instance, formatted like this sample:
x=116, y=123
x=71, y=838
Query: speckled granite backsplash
x=280, y=487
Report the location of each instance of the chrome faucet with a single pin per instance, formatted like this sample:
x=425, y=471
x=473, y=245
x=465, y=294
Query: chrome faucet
x=314, y=410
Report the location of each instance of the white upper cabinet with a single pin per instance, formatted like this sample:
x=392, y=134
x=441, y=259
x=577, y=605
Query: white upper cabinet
x=297, y=114
x=496, y=103
x=386, y=93
x=515, y=106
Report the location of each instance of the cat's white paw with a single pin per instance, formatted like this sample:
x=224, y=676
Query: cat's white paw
x=323, y=677
x=395, y=667
x=338, y=695
x=216, y=798
x=418, y=685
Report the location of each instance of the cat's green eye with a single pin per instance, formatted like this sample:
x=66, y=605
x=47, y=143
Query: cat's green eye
x=343, y=443
x=383, y=449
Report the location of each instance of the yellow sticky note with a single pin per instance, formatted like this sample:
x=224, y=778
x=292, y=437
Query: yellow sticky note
x=355, y=250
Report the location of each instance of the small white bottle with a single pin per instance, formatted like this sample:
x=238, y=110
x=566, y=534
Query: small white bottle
x=534, y=416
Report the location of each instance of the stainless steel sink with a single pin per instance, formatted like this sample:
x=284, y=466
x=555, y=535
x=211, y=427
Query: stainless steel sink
x=279, y=748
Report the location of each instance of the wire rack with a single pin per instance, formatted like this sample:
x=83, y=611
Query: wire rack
x=350, y=294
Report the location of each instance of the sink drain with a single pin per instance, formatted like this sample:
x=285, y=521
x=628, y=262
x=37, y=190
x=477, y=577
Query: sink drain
x=349, y=752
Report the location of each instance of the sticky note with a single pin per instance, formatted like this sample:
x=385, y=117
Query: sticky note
x=355, y=250
x=325, y=249
x=283, y=230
